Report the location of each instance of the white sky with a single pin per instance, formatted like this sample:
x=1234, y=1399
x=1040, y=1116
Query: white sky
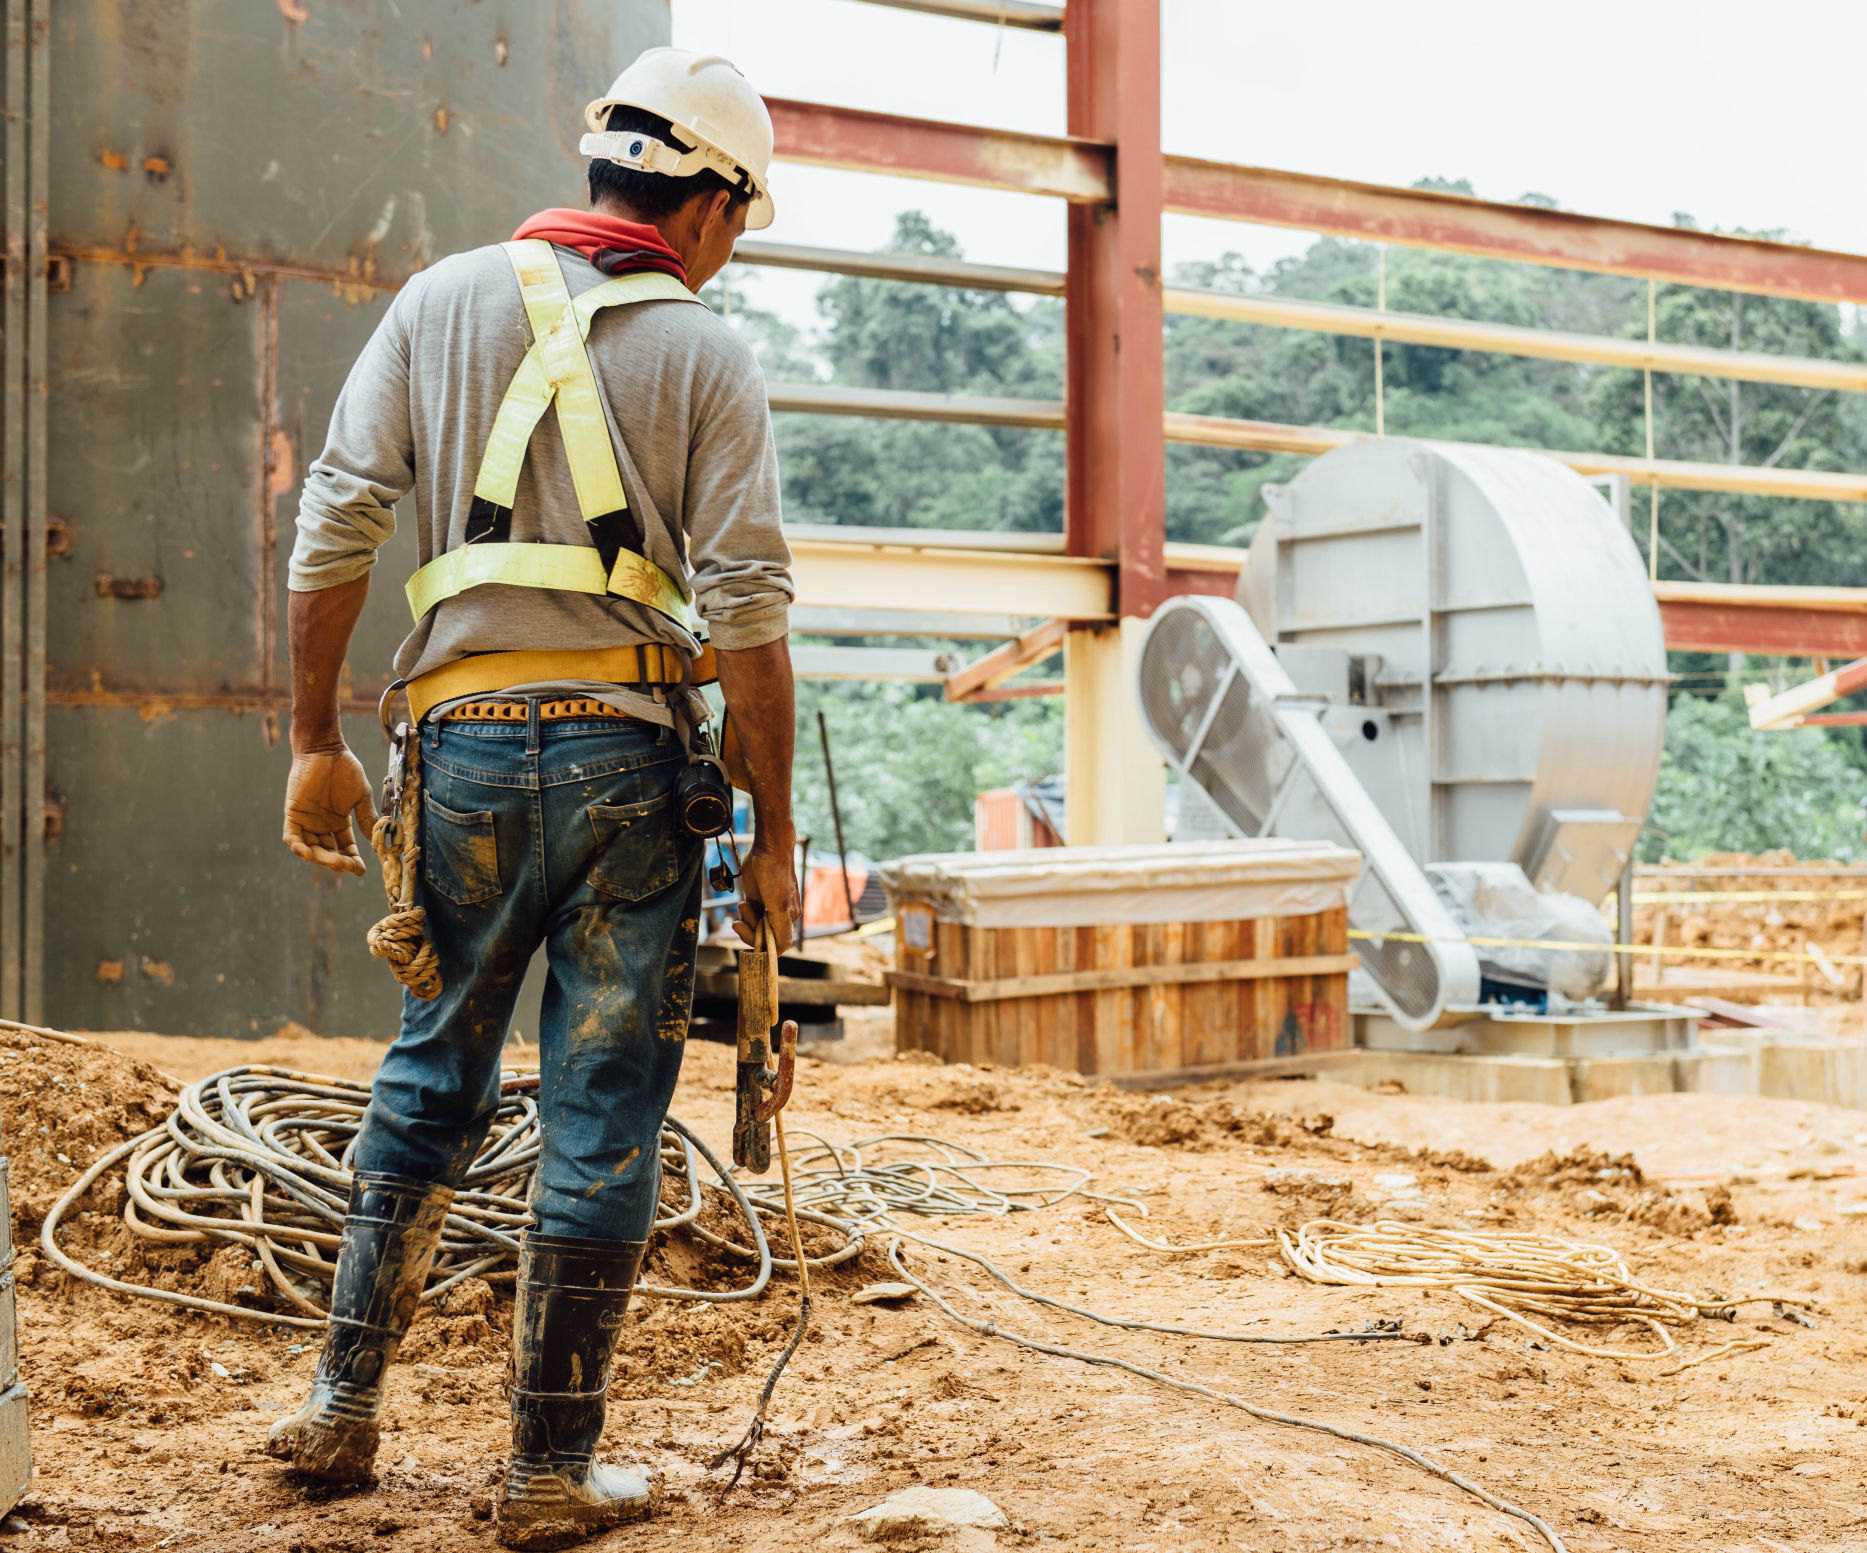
x=1739, y=114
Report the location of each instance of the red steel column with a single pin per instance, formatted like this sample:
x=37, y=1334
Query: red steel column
x=1115, y=491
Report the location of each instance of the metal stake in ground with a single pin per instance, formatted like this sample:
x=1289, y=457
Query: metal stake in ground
x=836, y=816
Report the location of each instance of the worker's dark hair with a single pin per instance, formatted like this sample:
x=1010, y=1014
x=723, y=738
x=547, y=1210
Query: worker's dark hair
x=653, y=194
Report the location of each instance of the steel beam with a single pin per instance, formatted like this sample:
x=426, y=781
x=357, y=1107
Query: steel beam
x=1001, y=13
x=1789, y=622
x=1419, y=218
x=841, y=574
x=970, y=681
x=856, y=140
x=1081, y=170
x=1216, y=431
x=936, y=625
x=1369, y=323
x=872, y=663
x=1115, y=486
x=920, y=268
x=898, y=404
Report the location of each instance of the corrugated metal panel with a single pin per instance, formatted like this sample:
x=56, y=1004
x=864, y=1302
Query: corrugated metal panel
x=235, y=188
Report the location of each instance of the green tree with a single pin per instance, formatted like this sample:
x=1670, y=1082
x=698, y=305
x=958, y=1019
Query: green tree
x=1725, y=787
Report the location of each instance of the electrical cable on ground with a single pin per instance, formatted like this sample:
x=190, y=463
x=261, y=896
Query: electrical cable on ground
x=260, y=1157
x=1514, y=1276
x=1081, y=1356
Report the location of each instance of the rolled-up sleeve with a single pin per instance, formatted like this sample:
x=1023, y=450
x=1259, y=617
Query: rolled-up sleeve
x=346, y=511
x=735, y=537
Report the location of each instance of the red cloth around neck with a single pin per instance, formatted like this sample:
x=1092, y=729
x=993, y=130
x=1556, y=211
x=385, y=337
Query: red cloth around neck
x=614, y=246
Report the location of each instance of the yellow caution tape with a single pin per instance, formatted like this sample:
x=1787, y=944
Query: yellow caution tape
x=1682, y=952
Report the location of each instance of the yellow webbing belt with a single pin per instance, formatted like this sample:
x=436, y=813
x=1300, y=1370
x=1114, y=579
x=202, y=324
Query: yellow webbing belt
x=566, y=568
x=557, y=369
x=488, y=672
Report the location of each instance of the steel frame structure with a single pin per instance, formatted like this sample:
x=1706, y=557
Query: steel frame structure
x=1110, y=170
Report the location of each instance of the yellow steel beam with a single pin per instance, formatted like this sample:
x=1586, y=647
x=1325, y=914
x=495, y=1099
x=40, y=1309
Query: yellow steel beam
x=838, y=574
x=1508, y=339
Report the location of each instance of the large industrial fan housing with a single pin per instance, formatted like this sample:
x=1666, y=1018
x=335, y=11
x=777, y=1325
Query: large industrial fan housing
x=1439, y=654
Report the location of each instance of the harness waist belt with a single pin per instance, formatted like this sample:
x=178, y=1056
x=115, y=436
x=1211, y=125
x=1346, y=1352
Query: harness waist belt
x=491, y=672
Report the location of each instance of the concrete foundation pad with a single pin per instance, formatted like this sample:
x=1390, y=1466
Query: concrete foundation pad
x=1731, y=1062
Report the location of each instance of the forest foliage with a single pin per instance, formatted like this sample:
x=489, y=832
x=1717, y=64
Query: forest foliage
x=909, y=763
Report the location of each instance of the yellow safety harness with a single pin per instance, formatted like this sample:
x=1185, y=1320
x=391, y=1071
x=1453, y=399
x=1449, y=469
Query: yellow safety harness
x=556, y=369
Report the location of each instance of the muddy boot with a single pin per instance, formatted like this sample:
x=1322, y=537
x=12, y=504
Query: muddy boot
x=390, y=1234
x=571, y=1299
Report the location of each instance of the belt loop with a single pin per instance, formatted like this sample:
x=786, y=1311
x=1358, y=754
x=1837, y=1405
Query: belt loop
x=533, y=722
x=641, y=664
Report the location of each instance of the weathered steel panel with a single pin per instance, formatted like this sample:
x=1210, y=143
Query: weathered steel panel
x=235, y=188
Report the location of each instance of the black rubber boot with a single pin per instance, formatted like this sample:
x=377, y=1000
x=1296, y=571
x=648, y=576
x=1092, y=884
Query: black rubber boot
x=391, y=1230
x=571, y=1298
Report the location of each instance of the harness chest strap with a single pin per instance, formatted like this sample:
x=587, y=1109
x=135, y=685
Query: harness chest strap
x=556, y=369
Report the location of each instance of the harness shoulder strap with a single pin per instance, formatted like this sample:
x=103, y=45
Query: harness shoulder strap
x=556, y=368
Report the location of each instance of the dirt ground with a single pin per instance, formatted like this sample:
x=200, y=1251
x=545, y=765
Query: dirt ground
x=148, y=1424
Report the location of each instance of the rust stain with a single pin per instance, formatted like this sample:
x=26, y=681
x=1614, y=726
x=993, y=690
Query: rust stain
x=157, y=971
x=293, y=12
x=116, y=161
x=441, y=119
x=500, y=50
x=427, y=48
x=157, y=168
x=109, y=973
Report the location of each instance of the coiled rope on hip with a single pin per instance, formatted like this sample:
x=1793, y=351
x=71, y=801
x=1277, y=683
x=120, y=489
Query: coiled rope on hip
x=261, y=1157
x=401, y=938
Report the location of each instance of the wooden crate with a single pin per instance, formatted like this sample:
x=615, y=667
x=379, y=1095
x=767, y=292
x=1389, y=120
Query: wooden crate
x=1125, y=998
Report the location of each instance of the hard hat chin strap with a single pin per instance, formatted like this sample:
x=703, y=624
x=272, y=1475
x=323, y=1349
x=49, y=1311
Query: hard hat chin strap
x=632, y=148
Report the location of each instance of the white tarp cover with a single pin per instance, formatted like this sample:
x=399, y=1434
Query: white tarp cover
x=1213, y=881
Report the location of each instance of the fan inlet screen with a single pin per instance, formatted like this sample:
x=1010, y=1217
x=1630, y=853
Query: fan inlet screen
x=1182, y=668
x=1405, y=972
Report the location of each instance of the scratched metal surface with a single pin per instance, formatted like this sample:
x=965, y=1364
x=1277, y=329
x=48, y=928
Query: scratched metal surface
x=235, y=184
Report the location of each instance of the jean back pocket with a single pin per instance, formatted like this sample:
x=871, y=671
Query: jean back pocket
x=635, y=853
x=459, y=854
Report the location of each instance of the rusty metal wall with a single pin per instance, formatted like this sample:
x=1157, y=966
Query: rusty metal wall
x=234, y=187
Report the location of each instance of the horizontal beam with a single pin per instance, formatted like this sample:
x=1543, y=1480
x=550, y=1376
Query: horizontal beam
x=1420, y=218
x=1787, y=622
x=920, y=268
x=872, y=663
x=839, y=574
x=1002, y=13
x=1083, y=171
x=1215, y=431
x=894, y=404
x=1511, y=340
x=857, y=140
x=937, y=624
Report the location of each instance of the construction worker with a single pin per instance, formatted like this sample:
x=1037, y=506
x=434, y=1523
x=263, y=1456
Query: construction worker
x=549, y=676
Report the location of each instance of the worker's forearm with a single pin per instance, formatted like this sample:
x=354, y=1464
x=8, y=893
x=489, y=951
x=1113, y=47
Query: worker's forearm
x=320, y=625
x=762, y=699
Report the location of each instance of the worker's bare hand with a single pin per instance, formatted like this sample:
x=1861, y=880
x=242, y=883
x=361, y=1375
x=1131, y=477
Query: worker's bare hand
x=768, y=888
x=325, y=792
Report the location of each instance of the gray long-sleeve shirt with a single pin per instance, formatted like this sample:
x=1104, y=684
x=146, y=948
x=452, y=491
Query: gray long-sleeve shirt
x=688, y=419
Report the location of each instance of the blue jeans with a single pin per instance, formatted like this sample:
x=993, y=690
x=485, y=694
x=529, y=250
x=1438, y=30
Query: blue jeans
x=559, y=834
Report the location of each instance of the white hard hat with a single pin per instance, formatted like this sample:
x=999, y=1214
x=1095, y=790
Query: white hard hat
x=708, y=102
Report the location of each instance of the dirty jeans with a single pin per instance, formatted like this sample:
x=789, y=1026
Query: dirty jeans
x=561, y=834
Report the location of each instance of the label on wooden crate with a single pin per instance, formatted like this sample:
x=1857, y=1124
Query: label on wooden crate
x=15, y=1447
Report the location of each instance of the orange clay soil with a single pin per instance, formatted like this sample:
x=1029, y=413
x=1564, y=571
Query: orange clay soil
x=148, y=1423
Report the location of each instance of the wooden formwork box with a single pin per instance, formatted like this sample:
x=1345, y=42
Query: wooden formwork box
x=1122, y=960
